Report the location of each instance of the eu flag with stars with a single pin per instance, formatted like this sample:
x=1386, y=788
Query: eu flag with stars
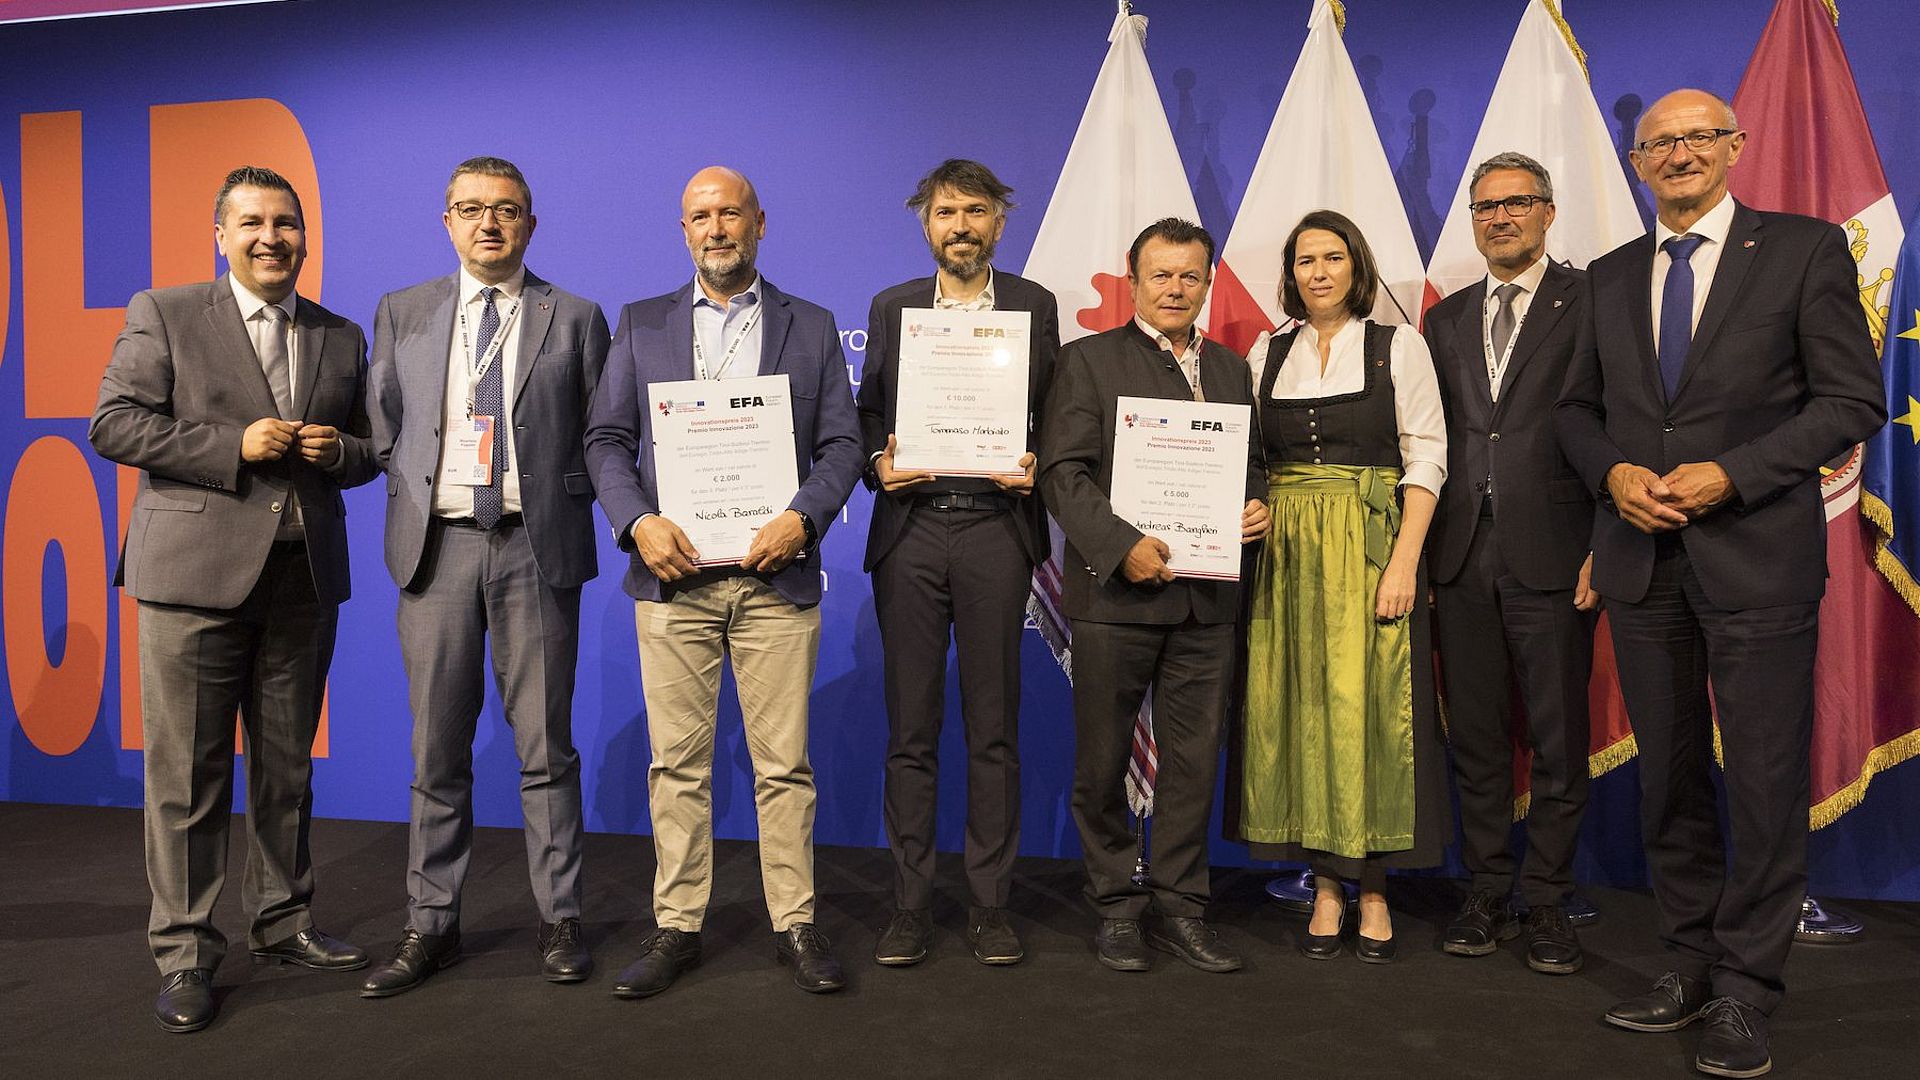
x=1890, y=476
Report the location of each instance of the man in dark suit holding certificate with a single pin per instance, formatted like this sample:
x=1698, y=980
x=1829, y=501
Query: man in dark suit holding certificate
x=953, y=557
x=1136, y=626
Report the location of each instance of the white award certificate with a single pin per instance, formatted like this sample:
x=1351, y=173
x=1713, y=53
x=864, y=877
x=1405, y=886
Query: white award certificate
x=1180, y=475
x=723, y=459
x=962, y=396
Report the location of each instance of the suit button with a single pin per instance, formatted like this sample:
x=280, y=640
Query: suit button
x=1479, y=485
x=427, y=481
x=1495, y=437
x=275, y=508
x=1668, y=426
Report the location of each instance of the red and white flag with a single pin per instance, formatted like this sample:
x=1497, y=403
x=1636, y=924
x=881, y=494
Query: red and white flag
x=1543, y=107
x=1122, y=174
x=1322, y=152
x=1809, y=151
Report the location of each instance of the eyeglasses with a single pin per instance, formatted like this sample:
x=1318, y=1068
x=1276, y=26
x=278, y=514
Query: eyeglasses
x=505, y=213
x=1517, y=206
x=1698, y=142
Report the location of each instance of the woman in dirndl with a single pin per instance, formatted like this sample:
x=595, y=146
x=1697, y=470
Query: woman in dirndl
x=1340, y=760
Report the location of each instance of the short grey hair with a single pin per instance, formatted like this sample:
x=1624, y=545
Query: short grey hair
x=1513, y=159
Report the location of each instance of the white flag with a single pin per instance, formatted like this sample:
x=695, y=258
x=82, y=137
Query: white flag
x=1322, y=152
x=1543, y=107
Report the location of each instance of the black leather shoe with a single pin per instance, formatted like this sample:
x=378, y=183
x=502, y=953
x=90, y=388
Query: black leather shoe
x=1374, y=950
x=186, y=1000
x=1194, y=941
x=1120, y=945
x=904, y=942
x=563, y=952
x=311, y=948
x=417, y=956
x=667, y=953
x=804, y=947
x=1552, y=945
x=994, y=941
x=1483, y=923
x=1675, y=1001
x=1324, y=946
x=1735, y=1040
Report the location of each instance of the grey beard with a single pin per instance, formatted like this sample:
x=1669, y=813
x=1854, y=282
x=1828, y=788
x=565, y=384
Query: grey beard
x=728, y=280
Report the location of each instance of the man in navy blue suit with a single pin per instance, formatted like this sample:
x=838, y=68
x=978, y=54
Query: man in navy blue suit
x=727, y=323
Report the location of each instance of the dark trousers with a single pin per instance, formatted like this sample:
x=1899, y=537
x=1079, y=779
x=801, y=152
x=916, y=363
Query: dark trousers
x=1494, y=633
x=961, y=574
x=1188, y=667
x=480, y=589
x=1729, y=922
x=266, y=660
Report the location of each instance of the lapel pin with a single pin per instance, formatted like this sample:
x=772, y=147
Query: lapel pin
x=1750, y=243
x=1557, y=303
x=544, y=305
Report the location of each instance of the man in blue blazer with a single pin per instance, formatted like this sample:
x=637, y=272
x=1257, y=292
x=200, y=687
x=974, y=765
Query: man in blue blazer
x=487, y=539
x=763, y=612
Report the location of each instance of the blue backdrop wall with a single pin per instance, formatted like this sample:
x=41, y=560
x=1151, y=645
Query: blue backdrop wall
x=834, y=109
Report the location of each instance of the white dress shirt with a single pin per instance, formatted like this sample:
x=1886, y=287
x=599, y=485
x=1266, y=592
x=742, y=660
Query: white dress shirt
x=1189, y=360
x=1713, y=228
x=292, y=525
x=982, y=302
x=1529, y=282
x=456, y=500
x=716, y=327
x=1416, y=390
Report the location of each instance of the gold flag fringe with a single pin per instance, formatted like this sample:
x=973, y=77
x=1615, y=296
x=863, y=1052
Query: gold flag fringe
x=1566, y=31
x=1884, y=560
x=1340, y=16
x=1833, y=12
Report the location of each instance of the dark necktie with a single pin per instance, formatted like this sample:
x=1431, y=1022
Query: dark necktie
x=1676, y=310
x=489, y=399
x=274, y=359
x=1503, y=321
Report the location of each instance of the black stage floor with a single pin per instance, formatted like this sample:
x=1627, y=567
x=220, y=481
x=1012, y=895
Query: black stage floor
x=77, y=983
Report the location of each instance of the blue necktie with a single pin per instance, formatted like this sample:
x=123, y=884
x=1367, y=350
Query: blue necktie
x=489, y=400
x=1676, y=310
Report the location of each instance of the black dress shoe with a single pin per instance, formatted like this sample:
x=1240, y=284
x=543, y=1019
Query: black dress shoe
x=186, y=1000
x=994, y=942
x=904, y=942
x=1374, y=950
x=417, y=956
x=1552, y=945
x=563, y=952
x=1483, y=923
x=1324, y=946
x=310, y=948
x=668, y=952
x=1194, y=941
x=1735, y=1040
x=1120, y=946
x=804, y=947
x=1675, y=1001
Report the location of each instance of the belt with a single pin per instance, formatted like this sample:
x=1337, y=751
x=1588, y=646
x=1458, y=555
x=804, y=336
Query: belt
x=507, y=521
x=964, y=501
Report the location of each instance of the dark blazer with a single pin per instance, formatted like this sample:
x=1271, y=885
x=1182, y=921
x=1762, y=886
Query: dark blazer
x=879, y=399
x=182, y=387
x=654, y=343
x=1076, y=472
x=1781, y=377
x=1537, y=491
x=563, y=346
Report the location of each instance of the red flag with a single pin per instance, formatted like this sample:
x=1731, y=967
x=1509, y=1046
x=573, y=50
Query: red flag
x=1810, y=152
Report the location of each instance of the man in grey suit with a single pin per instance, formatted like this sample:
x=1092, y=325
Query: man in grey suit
x=243, y=406
x=481, y=384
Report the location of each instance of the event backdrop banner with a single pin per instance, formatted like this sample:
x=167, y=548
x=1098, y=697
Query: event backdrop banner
x=115, y=133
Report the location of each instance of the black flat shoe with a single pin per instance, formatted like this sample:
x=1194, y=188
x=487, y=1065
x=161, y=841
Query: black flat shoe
x=668, y=953
x=804, y=948
x=186, y=1000
x=1120, y=945
x=310, y=948
x=1675, y=1001
x=1324, y=946
x=414, y=960
x=564, y=957
x=1735, y=1041
x=1483, y=923
x=1374, y=950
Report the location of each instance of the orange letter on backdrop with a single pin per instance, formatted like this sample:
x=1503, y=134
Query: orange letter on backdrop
x=64, y=342
x=194, y=147
x=6, y=271
x=56, y=703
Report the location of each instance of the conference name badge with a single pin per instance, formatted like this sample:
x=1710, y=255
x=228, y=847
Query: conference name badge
x=468, y=461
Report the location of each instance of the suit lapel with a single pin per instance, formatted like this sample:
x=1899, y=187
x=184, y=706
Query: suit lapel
x=1470, y=345
x=1735, y=260
x=680, y=335
x=1543, y=314
x=235, y=347
x=775, y=321
x=1639, y=278
x=309, y=353
x=536, y=318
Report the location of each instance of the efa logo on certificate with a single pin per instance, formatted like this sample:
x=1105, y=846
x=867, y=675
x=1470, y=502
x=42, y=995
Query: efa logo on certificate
x=1142, y=420
x=668, y=406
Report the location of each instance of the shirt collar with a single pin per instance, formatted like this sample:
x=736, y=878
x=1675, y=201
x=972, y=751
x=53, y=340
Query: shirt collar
x=1712, y=226
x=1528, y=280
x=985, y=299
x=1312, y=337
x=250, y=304
x=1166, y=344
x=470, y=286
x=744, y=299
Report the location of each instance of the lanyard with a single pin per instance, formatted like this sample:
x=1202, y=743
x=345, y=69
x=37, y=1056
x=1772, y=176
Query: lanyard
x=726, y=361
x=477, y=368
x=1497, y=368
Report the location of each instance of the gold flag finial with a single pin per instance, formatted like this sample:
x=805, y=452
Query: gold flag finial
x=1566, y=31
